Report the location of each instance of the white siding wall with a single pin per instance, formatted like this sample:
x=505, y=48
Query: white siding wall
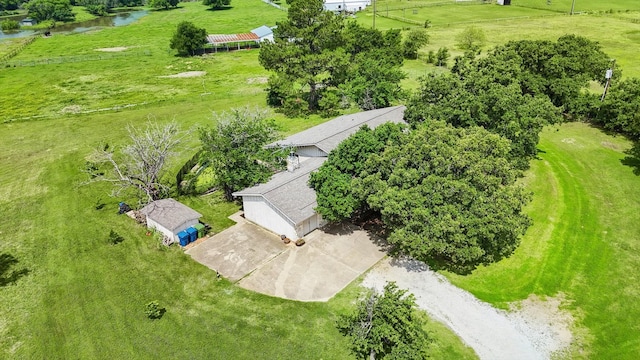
x=259, y=211
x=267, y=38
x=173, y=235
x=310, y=151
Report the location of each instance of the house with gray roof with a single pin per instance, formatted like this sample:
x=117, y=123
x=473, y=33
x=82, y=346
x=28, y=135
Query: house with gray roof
x=286, y=204
x=170, y=217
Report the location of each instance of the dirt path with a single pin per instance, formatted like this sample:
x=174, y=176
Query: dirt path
x=493, y=334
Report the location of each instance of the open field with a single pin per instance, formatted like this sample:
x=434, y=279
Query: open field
x=74, y=296
x=81, y=298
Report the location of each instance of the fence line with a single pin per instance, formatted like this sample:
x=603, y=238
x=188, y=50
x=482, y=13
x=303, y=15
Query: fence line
x=416, y=22
x=19, y=49
x=74, y=58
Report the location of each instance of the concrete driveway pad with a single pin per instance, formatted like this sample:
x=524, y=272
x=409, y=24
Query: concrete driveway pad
x=238, y=250
x=325, y=265
x=331, y=259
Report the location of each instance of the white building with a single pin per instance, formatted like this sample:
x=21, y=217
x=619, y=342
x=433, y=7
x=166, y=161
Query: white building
x=170, y=217
x=264, y=33
x=346, y=5
x=286, y=204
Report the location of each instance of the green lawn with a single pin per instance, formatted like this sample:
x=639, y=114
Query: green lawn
x=82, y=298
x=75, y=296
x=583, y=244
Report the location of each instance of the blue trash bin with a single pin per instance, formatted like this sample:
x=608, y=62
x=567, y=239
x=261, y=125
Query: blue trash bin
x=183, y=236
x=193, y=234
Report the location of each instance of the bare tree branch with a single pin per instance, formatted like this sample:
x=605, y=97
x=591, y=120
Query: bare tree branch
x=141, y=164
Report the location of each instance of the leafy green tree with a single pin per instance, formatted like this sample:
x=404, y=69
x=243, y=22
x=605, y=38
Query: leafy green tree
x=56, y=10
x=560, y=70
x=234, y=149
x=471, y=39
x=163, y=4
x=447, y=196
x=620, y=110
x=333, y=180
x=386, y=326
x=9, y=25
x=415, y=39
x=9, y=4
x=216, y=4
x=307, y=50
x=442, y=56
x=188, y=39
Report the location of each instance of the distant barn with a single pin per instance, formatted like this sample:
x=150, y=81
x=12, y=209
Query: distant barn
x=238, y=41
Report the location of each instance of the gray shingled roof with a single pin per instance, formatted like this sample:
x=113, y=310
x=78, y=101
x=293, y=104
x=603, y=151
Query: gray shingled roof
x=169, y=213
x=328, y=135
x=289, y=192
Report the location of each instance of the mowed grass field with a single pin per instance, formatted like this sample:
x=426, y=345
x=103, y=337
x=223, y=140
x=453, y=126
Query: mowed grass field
x=583, y=245
x=64, y=291
x=75, y=296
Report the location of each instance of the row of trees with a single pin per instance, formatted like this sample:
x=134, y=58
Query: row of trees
x=232, y=148
x=445, y=188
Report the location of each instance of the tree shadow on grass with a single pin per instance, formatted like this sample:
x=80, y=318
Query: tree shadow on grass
x=633, y=158
x=223, y=8
x=9, y=275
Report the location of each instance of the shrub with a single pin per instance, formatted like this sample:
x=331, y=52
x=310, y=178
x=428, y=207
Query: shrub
x=7, y=25
x=431, y=57
x=442, y=56
x=115, y=238
x=153, y=310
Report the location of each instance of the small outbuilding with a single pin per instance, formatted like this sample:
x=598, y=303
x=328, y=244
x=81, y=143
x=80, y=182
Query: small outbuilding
x=170, y=217
x=264, y=33
x=28, y=22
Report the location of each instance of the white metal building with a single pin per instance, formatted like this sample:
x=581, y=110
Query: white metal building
x=346, y=5
x=286, y=204
x=170, y=217
x=264, y=33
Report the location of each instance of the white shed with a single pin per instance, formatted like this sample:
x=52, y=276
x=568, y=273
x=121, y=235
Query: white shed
x=170, y=217
x=264, y=33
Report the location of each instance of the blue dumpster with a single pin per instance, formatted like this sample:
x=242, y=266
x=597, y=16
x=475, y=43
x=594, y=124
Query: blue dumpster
x=193, y=234
x=183, y=236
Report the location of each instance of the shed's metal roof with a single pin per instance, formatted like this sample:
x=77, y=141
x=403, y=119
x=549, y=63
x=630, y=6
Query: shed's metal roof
x=217, y=39
x=169, y=213
x=262, y=31
x=289, y=192
x=327, y=136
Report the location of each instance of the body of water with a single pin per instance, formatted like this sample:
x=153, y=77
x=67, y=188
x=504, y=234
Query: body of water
x=119, y=19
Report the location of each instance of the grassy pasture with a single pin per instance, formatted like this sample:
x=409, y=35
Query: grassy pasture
x=75, y=296
x=82, y=298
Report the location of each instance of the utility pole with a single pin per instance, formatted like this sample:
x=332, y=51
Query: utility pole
x=608, y=75
x=374, y=14
x=573, y=4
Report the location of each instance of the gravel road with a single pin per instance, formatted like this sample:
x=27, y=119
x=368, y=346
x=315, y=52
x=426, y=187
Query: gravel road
x=533, y=332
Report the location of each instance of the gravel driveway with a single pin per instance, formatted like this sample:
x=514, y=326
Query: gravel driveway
x=493, y=334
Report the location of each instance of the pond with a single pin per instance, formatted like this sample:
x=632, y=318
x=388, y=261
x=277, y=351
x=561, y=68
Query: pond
x=120, y=19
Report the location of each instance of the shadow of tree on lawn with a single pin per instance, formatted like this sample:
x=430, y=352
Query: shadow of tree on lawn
x=633, y=158
x=9, y=275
